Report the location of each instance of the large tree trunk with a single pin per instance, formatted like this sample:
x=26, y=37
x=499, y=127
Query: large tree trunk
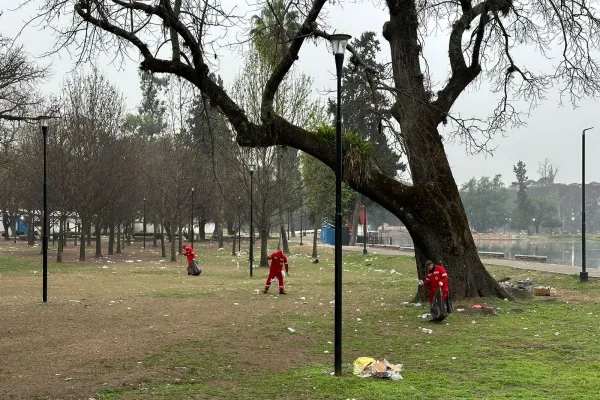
x=355, y=215
x=88, y=233
x=98, y=240
x=230, y=230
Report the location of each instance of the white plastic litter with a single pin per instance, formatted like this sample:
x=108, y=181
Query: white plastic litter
x=292, y=330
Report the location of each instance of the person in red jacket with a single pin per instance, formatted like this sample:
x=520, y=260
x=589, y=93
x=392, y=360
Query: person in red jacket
x=191, y=257
x=278, y=262
x=436, y=277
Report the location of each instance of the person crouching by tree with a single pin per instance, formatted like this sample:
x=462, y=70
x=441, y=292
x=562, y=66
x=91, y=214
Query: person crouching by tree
x=437, y=279
x=192, y=268
x=278, y=261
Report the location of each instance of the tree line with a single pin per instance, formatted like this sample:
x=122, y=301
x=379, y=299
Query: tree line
x=528, y=204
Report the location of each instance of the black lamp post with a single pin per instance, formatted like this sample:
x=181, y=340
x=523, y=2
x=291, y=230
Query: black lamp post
x=251, y=256
x=364, y=229
x=338, y=42
x=192, y=228
x=583, y=275
x=239, y=233
x=144, y=222
x=45, y=220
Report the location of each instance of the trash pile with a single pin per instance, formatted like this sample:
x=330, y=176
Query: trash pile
x=366, y=367
x=524, y=287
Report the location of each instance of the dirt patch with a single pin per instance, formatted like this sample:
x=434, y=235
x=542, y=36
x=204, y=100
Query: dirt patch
x=106, y=318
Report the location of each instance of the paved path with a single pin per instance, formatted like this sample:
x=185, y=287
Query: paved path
x=555, y=268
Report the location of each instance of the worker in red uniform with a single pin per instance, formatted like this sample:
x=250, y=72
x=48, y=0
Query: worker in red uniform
x=192, y=269
x=436, y=277
x=278, y=261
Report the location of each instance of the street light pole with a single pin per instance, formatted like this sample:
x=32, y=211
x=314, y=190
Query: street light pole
x=192, y=229
x=144, y=222
x=338, y=42
x=251, y=256
x=364, y=229
x=45, y=220
x=583, y=275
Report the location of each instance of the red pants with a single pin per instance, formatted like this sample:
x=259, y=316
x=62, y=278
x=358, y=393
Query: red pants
x=273, y=275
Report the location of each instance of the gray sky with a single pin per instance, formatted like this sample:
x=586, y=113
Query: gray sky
x=552, y=132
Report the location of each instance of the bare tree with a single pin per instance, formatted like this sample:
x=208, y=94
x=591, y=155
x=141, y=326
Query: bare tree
x=482, y=37
x=547, y=172
x=19, y=79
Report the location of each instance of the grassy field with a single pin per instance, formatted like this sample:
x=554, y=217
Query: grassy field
x=135, y=327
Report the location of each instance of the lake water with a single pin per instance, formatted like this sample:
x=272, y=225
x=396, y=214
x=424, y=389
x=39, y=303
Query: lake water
x=557, y=253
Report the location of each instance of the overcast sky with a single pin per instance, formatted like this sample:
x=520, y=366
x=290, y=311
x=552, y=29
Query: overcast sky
x=552, y=132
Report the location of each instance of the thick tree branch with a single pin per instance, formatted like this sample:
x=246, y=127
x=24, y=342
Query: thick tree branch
x=288, y=59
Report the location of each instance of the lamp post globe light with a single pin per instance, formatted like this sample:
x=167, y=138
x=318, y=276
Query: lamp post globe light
x=251, y=252
x=45, y=219
x=583, y=275
x=338, y=43
x=192, y=227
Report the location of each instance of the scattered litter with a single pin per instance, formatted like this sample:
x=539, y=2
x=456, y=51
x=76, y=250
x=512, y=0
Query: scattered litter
x=365, y=367
x=292, y=330
x=426, y=330
x=302, y=298
x=479, y=306
x=544, y=291
x=326, y=352
x=556, y=333
x=358, y=319
x=220, y=249
x=454, y=358
x=417, y=304
x=236, y=304
x=460, y=309
x=393, y=271
x=424, y=316
x=104, y=267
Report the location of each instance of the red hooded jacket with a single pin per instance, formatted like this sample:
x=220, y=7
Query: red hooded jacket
x=438, y=274
x=279, y=260
x=189, y=253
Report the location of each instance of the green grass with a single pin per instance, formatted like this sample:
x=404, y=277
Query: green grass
x=536, y=348
x=541, y=350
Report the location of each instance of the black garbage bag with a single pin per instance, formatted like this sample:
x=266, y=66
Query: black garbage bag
x=194, y=268
x=438, y=308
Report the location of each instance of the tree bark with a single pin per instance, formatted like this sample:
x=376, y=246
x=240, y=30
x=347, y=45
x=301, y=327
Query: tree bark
x=233, y=253
x=61, y=238
x=264, y=237
x=202, y=229
x=163, y=250
x=82, y=240
x=172, y=239
x=154, y=233
x=111, y=239
x=283, y=234
x=355, y=215
x=30, y=234
x=119, y=239
x=98, y=240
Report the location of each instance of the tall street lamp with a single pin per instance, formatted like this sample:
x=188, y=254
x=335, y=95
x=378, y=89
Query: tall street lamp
x=251, y=256
x=583, y=275
x=338, y=42
x=144, y=222
x=45, y=220
x=192, y=228
x=364, y=229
